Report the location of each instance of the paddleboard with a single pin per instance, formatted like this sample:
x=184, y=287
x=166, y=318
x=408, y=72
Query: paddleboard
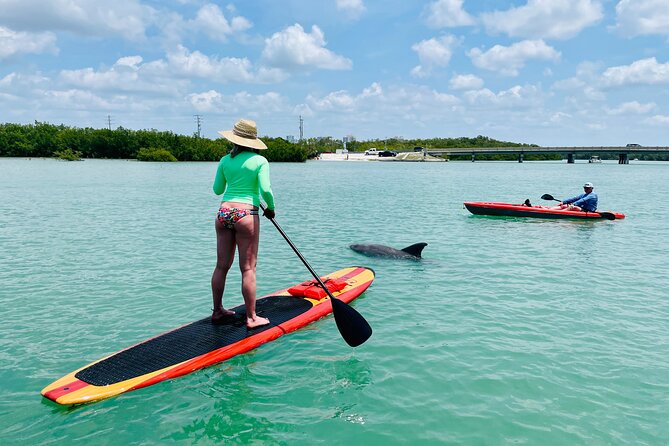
x=200, y=343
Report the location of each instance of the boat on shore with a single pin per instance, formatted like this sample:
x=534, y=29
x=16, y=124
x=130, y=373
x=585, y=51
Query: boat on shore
x=594, y=159
x=522, y=210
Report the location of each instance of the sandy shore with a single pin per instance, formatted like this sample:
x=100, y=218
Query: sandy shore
x=357, y=156
x=347, y=157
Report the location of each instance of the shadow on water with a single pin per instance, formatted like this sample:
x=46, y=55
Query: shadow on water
x=233, y=397
x=235, y=414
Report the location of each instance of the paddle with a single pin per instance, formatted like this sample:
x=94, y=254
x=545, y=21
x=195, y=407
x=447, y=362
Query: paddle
x=606, y=215
x=353, y=327
x=549, y=197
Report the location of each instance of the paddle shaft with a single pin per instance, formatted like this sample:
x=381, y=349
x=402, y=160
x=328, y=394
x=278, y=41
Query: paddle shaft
x=352, y=326
x=299, y=254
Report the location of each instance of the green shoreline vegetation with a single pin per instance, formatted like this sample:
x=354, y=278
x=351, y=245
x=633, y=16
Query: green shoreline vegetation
x=59, y=141
x=71, y=143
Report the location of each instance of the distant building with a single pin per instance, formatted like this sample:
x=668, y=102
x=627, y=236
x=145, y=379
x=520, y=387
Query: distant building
x=291, y=139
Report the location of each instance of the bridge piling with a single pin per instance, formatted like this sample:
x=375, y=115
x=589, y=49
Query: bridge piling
x=623, y=158
x=570, y=158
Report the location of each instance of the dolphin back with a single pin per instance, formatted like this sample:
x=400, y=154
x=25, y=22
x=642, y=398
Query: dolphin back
x=415, y=249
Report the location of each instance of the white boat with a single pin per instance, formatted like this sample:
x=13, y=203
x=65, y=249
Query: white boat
x=594, y=159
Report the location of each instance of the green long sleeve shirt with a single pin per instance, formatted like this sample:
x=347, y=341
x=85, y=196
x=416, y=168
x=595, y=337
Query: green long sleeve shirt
x=243, y=179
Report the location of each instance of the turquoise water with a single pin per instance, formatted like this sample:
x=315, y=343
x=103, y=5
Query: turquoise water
x=510, y=331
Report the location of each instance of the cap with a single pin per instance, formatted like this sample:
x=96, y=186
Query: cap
x=589, y=185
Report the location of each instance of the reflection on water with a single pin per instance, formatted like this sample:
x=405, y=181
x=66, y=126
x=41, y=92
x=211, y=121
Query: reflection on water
x=236, y=399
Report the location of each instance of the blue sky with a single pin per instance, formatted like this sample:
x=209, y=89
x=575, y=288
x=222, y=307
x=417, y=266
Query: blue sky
x=550, y=72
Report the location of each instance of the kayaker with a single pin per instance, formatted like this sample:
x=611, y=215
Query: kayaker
x=242, y=177
x=586, y=202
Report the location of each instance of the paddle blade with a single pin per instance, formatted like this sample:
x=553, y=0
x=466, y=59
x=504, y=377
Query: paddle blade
x=353, y=327
x=548, y=197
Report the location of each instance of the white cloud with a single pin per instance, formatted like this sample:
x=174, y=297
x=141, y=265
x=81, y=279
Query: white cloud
x=129, y=61
x=640, y=17
x=545, y=19
x=13, y=42
x=240, y=102
x=633, y=107
x=16, y=82
x=293, y=48
x=354, y=8
x=515, y=97
x=128, y=74
x=466, y=82
x=375, y=97
x=559, y=117
x=226, y=69
x=659, y=119
x=211, y=21
x=508, y=60
x=587, y=76
x=168, y=77
x=644, y=71
x=447, y=13
x=76, y=99
x=124, y=18
x=206, y=101
x=435, y=52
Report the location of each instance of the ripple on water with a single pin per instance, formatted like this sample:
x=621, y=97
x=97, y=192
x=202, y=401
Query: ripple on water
x=509, y=330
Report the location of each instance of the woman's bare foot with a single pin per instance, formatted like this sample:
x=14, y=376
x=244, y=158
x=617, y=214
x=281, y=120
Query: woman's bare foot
x=256, y=322
x=219, y=315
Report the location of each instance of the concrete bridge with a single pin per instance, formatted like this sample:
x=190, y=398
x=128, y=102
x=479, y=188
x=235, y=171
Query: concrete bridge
x=623, y=152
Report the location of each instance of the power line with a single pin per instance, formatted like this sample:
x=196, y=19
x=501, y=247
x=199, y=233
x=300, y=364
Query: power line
x=198, y=119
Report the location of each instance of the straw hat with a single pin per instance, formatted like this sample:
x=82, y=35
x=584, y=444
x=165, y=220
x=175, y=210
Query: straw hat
x=244, y=133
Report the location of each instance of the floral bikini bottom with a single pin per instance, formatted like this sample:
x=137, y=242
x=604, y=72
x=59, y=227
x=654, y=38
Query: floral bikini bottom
x=230, y=216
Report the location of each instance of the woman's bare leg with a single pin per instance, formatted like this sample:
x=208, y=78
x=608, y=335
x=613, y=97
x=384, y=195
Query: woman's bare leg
x=247, y=236
x=225, y=255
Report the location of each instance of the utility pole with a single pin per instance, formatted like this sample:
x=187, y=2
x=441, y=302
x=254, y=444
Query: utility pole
x=301, y=128
x=109, y=122
x=198, y=119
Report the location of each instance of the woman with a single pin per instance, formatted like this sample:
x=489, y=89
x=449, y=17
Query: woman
x=242, y=176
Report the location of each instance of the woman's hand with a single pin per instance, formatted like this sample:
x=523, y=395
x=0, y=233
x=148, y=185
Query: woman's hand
x=269, y=213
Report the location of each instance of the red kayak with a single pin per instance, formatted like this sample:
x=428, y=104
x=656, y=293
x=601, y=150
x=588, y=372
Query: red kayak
x=521, y=210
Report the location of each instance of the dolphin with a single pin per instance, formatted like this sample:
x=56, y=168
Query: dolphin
x=410, y=252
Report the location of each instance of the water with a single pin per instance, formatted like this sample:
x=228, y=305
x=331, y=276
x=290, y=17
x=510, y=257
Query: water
x=510, y=331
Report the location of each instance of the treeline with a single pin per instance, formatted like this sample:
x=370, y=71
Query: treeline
x=397, y=144
x=48, y=140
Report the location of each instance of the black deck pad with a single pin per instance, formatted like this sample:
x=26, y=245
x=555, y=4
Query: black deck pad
x=189, y=342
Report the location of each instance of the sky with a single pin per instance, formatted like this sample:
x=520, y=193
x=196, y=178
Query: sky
x=547, y=72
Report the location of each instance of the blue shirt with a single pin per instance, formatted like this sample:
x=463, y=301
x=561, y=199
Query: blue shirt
x=587, y=202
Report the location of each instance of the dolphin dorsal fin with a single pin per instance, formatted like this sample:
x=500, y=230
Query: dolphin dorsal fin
x=415, y=250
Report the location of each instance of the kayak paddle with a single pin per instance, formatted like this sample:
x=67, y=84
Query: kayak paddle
x=352, y=326
x=549, y=197
x=606, y=215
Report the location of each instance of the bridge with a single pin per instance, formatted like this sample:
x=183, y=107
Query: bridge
x=623, y=152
